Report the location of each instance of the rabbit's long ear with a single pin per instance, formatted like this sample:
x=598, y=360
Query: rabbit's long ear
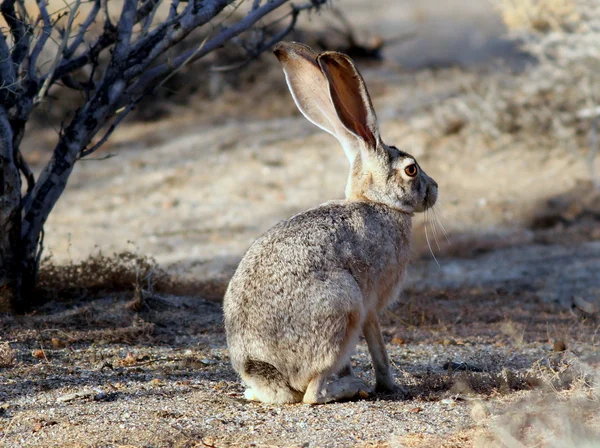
x=350, y=97
x=310, y=90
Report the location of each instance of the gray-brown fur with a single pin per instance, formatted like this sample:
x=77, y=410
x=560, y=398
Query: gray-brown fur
x=307, y=289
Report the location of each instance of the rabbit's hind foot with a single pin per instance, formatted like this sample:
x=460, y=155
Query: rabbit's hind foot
x=272, y=393
x=345, y=388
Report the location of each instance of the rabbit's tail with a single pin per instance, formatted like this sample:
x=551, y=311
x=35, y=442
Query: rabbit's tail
x=267, y=384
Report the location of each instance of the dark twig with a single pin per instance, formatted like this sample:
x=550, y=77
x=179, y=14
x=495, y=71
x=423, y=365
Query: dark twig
x=131, y=106
x=261, y=46
x=83, y=28
x=27, y=173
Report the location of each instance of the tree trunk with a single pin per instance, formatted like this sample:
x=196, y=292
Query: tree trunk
x=10, y=219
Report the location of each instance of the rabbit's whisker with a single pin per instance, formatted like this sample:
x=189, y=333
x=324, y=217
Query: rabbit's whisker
x=433, y=227
x=428, y=243
x=437, y=218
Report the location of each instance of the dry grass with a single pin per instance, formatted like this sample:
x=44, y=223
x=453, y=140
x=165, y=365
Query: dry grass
x=7, y=355
x=561, y=419
x=539, y=15
x=102, y=274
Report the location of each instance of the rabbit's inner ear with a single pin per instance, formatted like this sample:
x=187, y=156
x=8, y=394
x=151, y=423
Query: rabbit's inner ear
x=350, y=97
x=310, y=91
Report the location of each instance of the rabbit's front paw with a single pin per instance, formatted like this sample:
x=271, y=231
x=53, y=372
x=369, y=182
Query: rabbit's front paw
x=391, y=387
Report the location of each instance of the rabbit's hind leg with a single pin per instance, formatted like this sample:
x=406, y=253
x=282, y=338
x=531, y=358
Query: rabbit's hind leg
x=347, y=385
x=267, y=384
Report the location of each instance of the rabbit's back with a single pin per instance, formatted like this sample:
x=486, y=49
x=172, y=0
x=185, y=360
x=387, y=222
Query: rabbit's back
x=302, y=283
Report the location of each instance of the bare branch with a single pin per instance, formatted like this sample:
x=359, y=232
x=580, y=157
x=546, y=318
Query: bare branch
x=27, y=173
x=7, y=73
x=173, y=9
x=146, y=9
x=262, y=46
x=111, y=129
x=65, y=38
x=72, y=83
x=107, y=22
x=42, y=39
x=83, y=28
x=18, y=30
x=146, y=14
x=108, y=38
x=103, y=42
x=149, y=77
x=142, y=47
x=124, y=31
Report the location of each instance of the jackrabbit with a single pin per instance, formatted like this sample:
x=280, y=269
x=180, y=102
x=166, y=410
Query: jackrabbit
x=295, y=308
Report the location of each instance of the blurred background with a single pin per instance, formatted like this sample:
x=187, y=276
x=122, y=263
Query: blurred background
x=496, y=99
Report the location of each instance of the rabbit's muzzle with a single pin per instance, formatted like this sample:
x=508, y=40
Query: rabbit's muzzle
x=426, y=199
x=431, y=195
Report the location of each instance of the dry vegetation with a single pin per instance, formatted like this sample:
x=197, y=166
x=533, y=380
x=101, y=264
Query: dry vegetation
x=539, y=15
x=127, y=354
x=120, y=272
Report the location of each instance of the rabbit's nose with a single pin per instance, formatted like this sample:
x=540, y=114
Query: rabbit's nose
x=431, y=193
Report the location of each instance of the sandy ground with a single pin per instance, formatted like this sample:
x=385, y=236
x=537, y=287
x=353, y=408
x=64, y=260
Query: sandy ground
x=496, y=339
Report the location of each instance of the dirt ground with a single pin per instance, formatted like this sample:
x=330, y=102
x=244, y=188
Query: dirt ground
x=495, y=337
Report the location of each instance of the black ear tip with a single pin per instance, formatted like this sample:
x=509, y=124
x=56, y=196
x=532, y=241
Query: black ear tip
x=279, y=49
x=335, y=59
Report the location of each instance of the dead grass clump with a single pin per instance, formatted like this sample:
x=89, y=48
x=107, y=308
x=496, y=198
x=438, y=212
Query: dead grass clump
x=8, y=356
x=539, y=15
x=548, y=420
x=99, y=273
x=564, y=411
x=120, y=272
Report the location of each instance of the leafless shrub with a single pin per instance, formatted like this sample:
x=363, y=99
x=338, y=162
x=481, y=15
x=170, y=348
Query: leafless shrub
x=112, y=72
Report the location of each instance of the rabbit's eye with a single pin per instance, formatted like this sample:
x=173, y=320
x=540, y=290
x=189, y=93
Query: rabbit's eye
x=411, y=170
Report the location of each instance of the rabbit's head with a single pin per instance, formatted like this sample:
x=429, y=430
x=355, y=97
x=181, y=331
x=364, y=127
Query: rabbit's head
x=330, y=93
